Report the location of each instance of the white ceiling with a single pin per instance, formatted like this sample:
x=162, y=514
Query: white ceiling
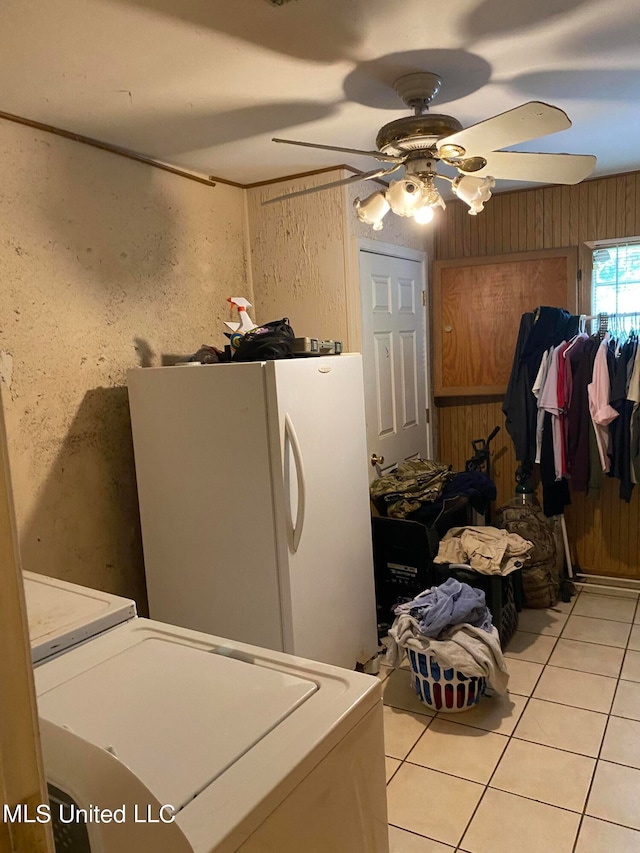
x=205, y=84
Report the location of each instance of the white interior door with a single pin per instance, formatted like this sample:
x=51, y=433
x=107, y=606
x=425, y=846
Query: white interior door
x=394, y=349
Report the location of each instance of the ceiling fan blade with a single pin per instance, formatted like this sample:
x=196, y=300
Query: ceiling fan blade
x=528, y=121
x=541, y=168
x=362, y=176
x=386, y=158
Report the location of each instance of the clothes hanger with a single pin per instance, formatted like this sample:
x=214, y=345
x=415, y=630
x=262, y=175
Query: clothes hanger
x=582, y=333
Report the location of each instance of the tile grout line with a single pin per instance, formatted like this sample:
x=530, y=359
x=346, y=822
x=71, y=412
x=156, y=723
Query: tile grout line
x=593, y=776
x=417, y=835
x=504, y=790
x=446, y=718
x=608, y=715
x=509, y=739
x=587, y=671
x=512, y=737
x=604, y=735
x=512, y=656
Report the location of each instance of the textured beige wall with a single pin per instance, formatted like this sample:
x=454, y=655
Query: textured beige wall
x=302, y=255
x=298, y=257
x=105, y=263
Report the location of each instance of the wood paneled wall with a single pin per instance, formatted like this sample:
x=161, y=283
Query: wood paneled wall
x=604, y=531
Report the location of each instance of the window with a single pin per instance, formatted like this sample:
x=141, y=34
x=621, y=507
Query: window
x=616, y=279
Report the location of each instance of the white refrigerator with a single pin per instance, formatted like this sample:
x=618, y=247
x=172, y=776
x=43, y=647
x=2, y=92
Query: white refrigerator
x=254, y=503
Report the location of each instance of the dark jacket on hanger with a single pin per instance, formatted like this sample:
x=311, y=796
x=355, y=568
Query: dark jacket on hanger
x=620, y=428
x=581, y=355
x=551, y=326
x=545, y=328
x=519, y=406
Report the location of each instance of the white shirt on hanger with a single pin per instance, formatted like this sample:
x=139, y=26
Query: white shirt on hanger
x=537, y=388
x=601, y=412
x=548, y=402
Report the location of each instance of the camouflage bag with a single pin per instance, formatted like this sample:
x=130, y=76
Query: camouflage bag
x=541, y=573
x=409, y=486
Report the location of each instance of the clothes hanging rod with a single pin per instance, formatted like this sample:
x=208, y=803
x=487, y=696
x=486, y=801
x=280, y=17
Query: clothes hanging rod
x=605, y=314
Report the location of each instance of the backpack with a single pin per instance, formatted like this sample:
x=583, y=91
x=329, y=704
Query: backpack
x=541, y=572
x=267, y=342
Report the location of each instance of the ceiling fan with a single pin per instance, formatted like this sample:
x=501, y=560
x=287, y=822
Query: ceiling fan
x=418, y=142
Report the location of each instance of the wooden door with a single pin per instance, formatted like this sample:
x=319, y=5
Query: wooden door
x=477, y=305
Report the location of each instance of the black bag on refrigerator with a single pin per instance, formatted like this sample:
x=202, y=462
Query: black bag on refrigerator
x=267, y=342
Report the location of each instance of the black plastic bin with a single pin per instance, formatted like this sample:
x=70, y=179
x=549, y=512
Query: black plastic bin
x=503, y=594
x=403, y=552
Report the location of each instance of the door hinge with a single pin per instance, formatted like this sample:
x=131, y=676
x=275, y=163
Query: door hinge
x=427, y=416
x=424, y=297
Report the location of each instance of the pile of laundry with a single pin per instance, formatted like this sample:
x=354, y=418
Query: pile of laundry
x=411, y=484
x=452, y=624
x=485, y=549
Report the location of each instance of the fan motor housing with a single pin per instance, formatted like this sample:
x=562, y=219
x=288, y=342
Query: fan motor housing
x=412, y=133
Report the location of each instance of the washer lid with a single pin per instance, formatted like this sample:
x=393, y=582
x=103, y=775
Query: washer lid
x=63, y=614
x=177, y=715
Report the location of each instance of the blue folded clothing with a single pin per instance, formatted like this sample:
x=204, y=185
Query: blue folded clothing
x=451, y=603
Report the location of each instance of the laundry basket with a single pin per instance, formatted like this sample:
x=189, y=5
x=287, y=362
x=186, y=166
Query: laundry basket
x=444, y=689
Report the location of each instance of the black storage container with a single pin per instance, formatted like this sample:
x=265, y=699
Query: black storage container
x=403, y=552
x=503, y=594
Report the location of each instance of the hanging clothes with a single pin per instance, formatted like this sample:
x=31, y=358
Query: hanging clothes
x=580, y=358
x=586, y=393
x=620, y=429
x=565, y=395
x=602, y=413
x=548, y=402
x=544, y=328
x=551, y=327
x=519, y=406
x=538, y=385
x=633, y=396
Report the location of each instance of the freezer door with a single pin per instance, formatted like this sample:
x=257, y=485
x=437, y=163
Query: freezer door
x=204, y=483
x=316, y=416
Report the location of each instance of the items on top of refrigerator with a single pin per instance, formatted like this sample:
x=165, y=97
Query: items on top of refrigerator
x=208, y=355
x=264, y=343
x=313, y=346
x=250, y=342
x=246, y=324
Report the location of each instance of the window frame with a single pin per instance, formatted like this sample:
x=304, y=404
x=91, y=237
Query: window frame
x=586, y=268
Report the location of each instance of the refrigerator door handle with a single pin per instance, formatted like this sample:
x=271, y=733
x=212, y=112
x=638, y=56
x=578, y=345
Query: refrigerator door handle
x=295, y=529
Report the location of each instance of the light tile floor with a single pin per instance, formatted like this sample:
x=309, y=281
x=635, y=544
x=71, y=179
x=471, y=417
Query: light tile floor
x=553, y=767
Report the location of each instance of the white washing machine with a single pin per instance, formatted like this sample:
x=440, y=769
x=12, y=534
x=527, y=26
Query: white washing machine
x=62, y=615
x=174, y=740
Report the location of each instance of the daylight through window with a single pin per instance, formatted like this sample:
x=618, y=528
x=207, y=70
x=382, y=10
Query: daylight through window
x=616, y=279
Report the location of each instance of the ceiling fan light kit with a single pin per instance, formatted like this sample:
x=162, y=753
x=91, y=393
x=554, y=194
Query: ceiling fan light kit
x=373, y=209
x=473, y=191
x=420, y=141
x=412, y=196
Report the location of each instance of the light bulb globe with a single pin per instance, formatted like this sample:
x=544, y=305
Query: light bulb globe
x=424, y=215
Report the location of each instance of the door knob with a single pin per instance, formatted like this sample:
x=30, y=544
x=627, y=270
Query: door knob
x=376, y=460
